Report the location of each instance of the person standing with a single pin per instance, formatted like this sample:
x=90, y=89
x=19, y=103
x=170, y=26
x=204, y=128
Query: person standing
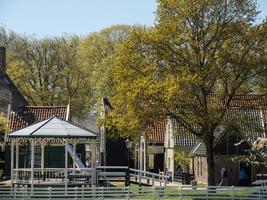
x=224, y=177
x=242, y=177
x=88, y=163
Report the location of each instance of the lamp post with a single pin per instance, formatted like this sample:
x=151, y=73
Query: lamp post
x=128, y=144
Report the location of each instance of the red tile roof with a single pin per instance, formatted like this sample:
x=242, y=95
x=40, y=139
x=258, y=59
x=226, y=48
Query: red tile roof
x=243, y=100
x=157, y=130
x=31, y=114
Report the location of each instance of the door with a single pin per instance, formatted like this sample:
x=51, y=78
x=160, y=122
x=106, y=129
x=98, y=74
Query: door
x=247, y=169
x=159, y=162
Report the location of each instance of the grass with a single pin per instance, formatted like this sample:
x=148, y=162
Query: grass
x=171, y=193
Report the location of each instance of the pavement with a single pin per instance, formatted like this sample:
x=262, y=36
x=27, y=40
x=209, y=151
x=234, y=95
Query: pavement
x=156, y=183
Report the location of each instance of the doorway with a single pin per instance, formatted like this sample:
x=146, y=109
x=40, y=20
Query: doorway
x=158, y=162
x=247, y=169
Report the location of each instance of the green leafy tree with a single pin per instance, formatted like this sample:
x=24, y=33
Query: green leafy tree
x=189, y=66
x=182, y=159
x=97, y=52
x=48, y=72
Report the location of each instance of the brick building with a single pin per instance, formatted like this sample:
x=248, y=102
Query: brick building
x=248, y=112
x=10, y=96
x=149, y=152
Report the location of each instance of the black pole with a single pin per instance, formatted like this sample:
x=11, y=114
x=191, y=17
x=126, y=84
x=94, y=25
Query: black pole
x=127, y=178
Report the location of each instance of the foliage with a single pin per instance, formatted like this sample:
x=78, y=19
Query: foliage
x=48, y=71
x=258, y=153
x=62, y=70
x=182, y=160
x=3, y=126
x=189, y=66
x=6, y=38
x=96, y=52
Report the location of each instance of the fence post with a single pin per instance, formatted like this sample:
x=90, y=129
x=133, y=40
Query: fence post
x=128, y=192
x=49, y=193
x=264, y=187
x=23, y=193
x=181, y=192
x=102, y=192
x=76, y=193
x=207, y=192
x=15, y=192
x=153, y=177
x=140, y=182
x=82, y=192
x=232, y=192
x=26, y=190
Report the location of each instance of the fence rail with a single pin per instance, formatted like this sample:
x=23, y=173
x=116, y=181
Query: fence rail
x=134, y=192
x=23, y=175
x=148, y=177
x=84, y=175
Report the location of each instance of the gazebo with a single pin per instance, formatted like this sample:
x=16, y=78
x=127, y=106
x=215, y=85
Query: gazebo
x=52, y=131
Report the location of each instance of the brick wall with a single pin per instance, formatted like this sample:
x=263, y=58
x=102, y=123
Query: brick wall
x=220, y=161
x=231, y=166
x=200, y=169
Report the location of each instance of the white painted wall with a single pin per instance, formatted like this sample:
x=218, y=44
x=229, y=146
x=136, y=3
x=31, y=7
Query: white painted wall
x=169, y=147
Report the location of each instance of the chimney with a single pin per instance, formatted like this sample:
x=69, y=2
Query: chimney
x=2, y=60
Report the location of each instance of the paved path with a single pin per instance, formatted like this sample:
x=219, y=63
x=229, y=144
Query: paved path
x=156, y=183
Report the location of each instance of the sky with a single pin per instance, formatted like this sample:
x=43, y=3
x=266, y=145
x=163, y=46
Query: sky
x=56, y=17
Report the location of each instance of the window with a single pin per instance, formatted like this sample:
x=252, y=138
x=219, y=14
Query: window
x=142, y=145
x=198, y=166
x=37, y=156
x=201, y=167
x=151, y=161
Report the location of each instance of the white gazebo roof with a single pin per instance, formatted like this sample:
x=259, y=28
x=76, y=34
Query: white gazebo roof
x=53, y=127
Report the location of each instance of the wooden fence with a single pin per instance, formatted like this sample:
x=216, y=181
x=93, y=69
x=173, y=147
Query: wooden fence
x=83, y=176
x=149, y=178
x=135, y=192
x=23, y=175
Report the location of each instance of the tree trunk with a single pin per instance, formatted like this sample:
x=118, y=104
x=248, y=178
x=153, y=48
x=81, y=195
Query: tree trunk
x=210, y=162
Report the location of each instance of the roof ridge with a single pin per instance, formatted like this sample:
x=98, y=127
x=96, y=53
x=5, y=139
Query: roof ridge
x=48, y=120
x=46, y=106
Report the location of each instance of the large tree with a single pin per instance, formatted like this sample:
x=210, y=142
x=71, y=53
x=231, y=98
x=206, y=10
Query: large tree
x=48, y=71
x=97, y=52
x=189, y=66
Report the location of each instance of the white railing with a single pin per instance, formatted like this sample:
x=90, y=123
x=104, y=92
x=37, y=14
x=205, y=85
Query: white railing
x=23, y=175
x=134, y=192
x=139, y=176
x=108, y=173
x=148, y=177
x=111, y=172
